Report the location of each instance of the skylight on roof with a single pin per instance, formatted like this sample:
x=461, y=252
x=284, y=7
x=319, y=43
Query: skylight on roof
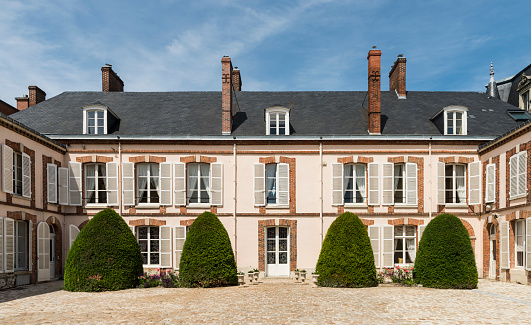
x=519, y=115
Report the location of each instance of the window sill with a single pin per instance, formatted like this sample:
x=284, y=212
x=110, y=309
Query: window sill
x=198, y=205
x=355, y=205
x=147, y=206
x=95, y=205
x=456, y=205
x=517, y=197
x=274, y=206
x=18, y=196
x=21, y=272
x=405, y=206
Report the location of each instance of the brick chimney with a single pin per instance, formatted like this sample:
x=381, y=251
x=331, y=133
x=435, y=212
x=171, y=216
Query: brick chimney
x=110, y=81
x=226, y=95
x=374, y=91
x=397, y=77
x=236, y=79
x=22, y=102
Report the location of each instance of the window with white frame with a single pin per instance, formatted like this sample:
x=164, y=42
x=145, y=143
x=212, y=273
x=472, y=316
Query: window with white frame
x=399, y=183
x=455, y=121
x=21, y=245
x=518, y=173
x=271, y=184
x=95, y=121
x=17, y=173
x=354, y=183
x=95, y=183
x=525, y=100
x=149, y=242
x=277, y=121
x=148, y=183
x=405, y=244
x=198, y=183
x=455, y=186
x=519, y=240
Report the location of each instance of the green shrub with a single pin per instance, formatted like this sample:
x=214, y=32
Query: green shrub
x=445, y=258
x=207, y=259
x=346, y=258
x=104, y=256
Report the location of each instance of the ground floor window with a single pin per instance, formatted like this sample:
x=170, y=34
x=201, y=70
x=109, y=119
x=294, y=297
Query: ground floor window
x=21, y=245
x=149, y=241
x=405, y=247
x=519, y=239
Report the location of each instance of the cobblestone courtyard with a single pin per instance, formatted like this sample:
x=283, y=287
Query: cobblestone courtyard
x=270, y=302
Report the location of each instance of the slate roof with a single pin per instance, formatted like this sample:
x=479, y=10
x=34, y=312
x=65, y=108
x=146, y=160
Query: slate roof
x=312, y=112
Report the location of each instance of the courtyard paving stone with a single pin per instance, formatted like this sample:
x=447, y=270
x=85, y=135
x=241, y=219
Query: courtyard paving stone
x=273, y=301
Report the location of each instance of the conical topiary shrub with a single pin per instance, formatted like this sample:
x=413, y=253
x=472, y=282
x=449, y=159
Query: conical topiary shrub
x=445, y=258
x=346, y=258
x=104, y=256
x=207, y=259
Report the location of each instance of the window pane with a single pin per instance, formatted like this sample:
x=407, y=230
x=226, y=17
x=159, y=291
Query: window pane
x=283, y=245
x=154, y=258
x=205, y=197
x=91, y=130
x=144, y=258
x=143, y=245
x=100, y=114
x=399, y=231
x=271, y=246
x=100, y=130
x=102, y=170
x=91, y=122
x=154, y=232
x=270, y=232
x=91, y=114
x=283, y=258
x=270, y=258
x=153, y=245
x=399, y=244
x=282, y=232
x=142, y=233
x=410, y=231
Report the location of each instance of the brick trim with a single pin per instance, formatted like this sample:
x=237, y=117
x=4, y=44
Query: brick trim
x=367, y=222
x=351, y=160
x=151, y=159
x=83, y=224
x=95, y=159
x=471, y=233
x=202, y=159
x=456, y=159
x=187, y=222
x=262, y=224
x=147, y=222
x=405, y=221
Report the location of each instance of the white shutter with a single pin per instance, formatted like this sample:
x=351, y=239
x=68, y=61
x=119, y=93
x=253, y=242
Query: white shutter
x=388, y=245
x=283, y=184
x=388, y=170
x=30, y=247
x=490, y=188
x=73, y=231
x=180, y=238
x=474, y=183
x=128, y=184
x=337, y=184
x=165, y=246
x=51, y=173
x=421, y=231
x=411, y=184
x=74, y=184
x=43, y=251
x=112, y=183
x=2, y=220
x=180, y=184
x=504, y=245
x=513, y=169
x=374, y=235
x=63, y=185
x=9, y=245
x=522, y=173
x=374, y=183
x=216, y=183
x=259, y=184
x=165, y=183
x=26, y=175
x=7, y=169
x=528, y=243
x=440, y=183
x=132, y=228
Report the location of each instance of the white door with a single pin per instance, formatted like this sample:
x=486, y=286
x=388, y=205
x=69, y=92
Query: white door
x=277, y=252
x=492, y=240
x=43, y=251
x=52, y=253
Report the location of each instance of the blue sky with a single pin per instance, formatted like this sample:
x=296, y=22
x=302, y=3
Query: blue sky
x=278, y=45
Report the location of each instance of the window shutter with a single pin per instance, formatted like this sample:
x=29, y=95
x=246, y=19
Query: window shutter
x=388, y=245
x=180, y=238
x=374, y=184
x=9, y=242
x=51, y=173
x=73, y=231
x=490, y=188
x=440, y=183
x=421, y=231
x=513, y=169
x=528, y=244
x=180, y=184
x=63, y=185
x=374, y=235
x=259, y=184
x=504, y=245
x=132, y=228
x=165, y=246
x=74, y=184
x=522, y=173
x=2, y=221
x=26, y=176
x=112, y=183
x=43, y=249
x=388, y=171
x=337, y=184
x=216, y=183
x=474, y=181
x=283, y=184
x=128, y=184
x=165, y=184
x=7, y=169
x=411, y=184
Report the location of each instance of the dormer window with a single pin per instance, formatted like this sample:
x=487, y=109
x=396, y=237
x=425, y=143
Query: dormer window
x=523, y=88
x=277, y=121
x=455, y=120
x=98, y=119
x=525, y=101
x=95, y=122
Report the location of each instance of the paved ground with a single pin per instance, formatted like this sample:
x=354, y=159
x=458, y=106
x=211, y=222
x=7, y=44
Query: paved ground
x=270, y=302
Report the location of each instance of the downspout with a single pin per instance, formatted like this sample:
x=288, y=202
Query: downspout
x=120, y=173
x=431, y=178
x=321, y=180
x=235, y=201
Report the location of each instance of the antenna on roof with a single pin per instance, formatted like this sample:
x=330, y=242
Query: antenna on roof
x=374, y=47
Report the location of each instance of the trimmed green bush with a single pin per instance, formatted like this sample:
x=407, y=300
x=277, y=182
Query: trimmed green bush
x=346, y=258
x=445, y=258
x=207, y=259
x=104, y=256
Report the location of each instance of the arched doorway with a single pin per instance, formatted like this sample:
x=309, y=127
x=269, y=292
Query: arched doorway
x=52, y=252
x=492, y=250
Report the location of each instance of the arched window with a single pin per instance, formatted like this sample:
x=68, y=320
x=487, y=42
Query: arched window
x=95, y=120
x=277, y=121
x=455, y=120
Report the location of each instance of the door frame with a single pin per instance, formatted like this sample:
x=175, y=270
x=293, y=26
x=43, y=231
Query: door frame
x=278, y=273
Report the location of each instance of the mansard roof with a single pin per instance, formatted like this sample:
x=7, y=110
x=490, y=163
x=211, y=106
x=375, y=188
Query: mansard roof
x=316, y=113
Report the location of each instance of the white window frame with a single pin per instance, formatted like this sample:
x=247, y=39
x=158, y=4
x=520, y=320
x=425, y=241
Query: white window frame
x=278, y=190
x=403, y=237
x=17, y=173
x=354, y=191
x=404, y=179
x=198, y=188
x=17, y=250
x=525, y=100
x=454, y=185
x=517, y=174
x=148, y=239
x=519, y=225
x=450, y=117
x=95, y=109
x=96, y=189
x=274, y=112
x=148, y=184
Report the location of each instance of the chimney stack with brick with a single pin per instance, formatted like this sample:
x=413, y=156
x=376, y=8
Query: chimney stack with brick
x=226, y=95
x=110, y=81
x=374, y=91
x=236, y=79
x=36, y=95
x=22, y=102
x=397, y=77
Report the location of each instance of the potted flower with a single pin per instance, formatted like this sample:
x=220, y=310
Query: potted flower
x=250, y=274
x=303, y=275
x=256, y=274
x=315, y=277
x=241, y=278
x=297, y=275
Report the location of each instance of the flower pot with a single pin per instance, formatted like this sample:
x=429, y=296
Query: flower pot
x=296, y=276
x=303, y=277
x=256, y=274
x=315, y=277
x=251, y=277
x=241, y=279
